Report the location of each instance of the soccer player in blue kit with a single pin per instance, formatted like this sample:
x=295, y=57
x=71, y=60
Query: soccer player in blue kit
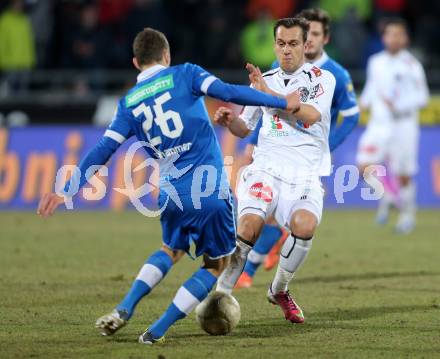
x=344, y=103
x=165, y=110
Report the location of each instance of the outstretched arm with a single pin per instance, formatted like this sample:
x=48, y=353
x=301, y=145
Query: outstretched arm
x=118, y=131
x=204, y=83
x=98, y=156
x=226, y=118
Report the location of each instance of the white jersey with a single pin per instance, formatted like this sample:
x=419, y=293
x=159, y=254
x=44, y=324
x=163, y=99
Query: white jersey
x=287, y=149
x=399, y=79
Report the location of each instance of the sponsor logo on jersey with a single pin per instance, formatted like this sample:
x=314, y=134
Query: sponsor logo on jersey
x=150, y=89
x=260, y=191
x=316, y=71
x=276, y=123
x=317, y=91
x=303, y=93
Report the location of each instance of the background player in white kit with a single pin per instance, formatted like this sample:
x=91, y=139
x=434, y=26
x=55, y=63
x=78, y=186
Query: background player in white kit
x=395, y=90
x=292, y=154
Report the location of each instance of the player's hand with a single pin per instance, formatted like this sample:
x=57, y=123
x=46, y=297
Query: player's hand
x=293, y=102
x=256, y=78
x=48, y=204
x=223, y=116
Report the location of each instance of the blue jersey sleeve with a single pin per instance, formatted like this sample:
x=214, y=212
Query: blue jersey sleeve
x=346, y=104
x=117, y=132
x=200, y=79
x=120, y=129
x=204, y=83
x=253, y=138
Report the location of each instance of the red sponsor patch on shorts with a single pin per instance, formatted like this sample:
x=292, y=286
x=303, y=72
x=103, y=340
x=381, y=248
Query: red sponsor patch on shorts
x=260, y=191
x=369, y=149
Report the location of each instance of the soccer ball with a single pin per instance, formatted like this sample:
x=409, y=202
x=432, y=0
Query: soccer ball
x=218, y=314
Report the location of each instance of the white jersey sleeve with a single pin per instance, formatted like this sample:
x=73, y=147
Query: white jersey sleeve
x=367, y=93
x=321, y=94
x=251, y=115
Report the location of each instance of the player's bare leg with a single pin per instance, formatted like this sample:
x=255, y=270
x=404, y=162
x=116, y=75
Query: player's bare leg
x=249, y=229
x=406, y=221
x=151, y=273
x=190, y=294
x=292, y=256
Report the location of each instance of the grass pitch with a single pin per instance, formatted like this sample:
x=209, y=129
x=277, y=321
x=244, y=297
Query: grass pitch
x=365, y=291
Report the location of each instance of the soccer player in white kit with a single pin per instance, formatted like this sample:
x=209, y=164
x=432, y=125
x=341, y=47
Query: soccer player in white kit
x=292, y=153
x=395, y=90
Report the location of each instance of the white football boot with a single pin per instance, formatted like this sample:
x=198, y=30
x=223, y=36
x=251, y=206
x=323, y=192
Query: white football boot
x=110, y=323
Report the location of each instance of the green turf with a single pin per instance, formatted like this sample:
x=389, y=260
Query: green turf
x=365, y=292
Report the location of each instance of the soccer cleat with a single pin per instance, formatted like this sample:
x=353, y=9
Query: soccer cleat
x=382, y=218
x=109, y=324
x=245, y=281
x=405, y=225
x=273, y=256
x=147, y=338
x=291, y=310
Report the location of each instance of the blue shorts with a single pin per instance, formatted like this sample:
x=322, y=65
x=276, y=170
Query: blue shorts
x=211, y=229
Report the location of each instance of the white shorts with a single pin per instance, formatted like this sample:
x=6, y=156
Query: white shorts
x=396, y=145
x=264, y=195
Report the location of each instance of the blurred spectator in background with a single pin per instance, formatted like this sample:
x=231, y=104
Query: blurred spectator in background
x=349, y=19
x=17, y=49
x=277, y=9
x=257, y=40
x=88, y=43
x=387, y=8
x=339, y=9
x=88, y=48
x=41, y=12
x=216, y=39
x=145, y=13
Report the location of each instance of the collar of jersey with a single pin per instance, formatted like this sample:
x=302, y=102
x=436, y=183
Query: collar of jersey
x=153, y=70
x=285, y=75
x=322, y=60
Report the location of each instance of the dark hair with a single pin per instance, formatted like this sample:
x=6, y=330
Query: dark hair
x=395, y=21
x=317, y=15
x=290, y=22
x=149, y=45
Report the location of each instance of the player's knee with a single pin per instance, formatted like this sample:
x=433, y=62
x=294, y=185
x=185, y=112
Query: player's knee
x=303, y=224
x=174, y=254
x=404, y=180
x=215, y=266
x=249, y=227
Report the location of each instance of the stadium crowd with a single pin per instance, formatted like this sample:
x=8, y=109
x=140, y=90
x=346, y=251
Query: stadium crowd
x=96, y=34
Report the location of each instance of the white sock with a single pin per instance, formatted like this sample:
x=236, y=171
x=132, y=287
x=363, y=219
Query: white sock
x=256, y=257
x=281, y=280
x=386, y=201
x=408, y=199
x=232, y=272
x=292, y=256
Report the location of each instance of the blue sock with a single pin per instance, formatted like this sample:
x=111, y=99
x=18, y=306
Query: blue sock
x=153, y=271
x=269, y=236
x=189, y=295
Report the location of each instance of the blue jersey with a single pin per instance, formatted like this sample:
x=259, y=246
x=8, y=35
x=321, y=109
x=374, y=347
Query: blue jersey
x=166, y=110
x=344, y=102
